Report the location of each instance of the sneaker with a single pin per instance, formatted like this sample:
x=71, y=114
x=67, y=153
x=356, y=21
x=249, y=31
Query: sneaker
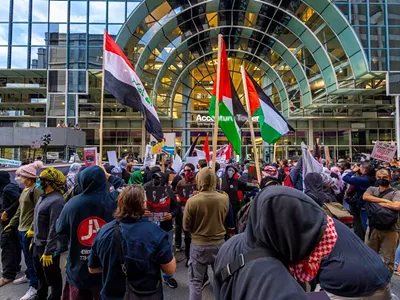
x=205, y=282
x=21, y=280
x=171, y=282
x=30, y=294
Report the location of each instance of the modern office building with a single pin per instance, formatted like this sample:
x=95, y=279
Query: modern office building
x=331, y=67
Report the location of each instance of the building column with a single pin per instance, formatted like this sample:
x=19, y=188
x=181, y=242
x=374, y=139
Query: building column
x=310, y=134
x=397, y=124
x=186, y=113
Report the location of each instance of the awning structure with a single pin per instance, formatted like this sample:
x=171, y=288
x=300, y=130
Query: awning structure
x=304, y=53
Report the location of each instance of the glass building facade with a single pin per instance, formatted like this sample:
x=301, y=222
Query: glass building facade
x=326, y=65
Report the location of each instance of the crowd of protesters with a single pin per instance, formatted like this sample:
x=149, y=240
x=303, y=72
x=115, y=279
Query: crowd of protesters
x=332, y=227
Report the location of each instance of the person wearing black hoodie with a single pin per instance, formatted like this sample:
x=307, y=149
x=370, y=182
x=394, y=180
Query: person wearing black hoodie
x=282, y=240
x=9, y=242
x=314, y=188
x=160, y=179
x=81, y=218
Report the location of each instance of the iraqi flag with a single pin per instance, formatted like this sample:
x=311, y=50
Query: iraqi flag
x=272, y=124
x=121, y=80
x=232, y=115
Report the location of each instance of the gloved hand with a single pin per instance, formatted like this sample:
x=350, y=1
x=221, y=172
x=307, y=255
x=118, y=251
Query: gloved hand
x=29, y=233
x=46, y=260
x=8, y=228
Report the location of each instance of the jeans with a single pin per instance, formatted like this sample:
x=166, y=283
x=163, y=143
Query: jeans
x=48, y=276
x=200, y=258
x=364, y=218
x=30, y=271
x=178, y=235
x=10, y=253
x=170, y=240
x=397, y=258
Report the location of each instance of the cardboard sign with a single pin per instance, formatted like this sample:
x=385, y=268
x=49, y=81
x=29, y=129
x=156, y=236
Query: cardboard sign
x=158, y=202
x=90, y=156
x=112, y=158
x=184, y=193
x=384, y=152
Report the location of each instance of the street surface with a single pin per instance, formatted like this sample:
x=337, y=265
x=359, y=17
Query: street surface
x=15, y=292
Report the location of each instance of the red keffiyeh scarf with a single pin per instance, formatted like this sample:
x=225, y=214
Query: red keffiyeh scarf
x=307, y=269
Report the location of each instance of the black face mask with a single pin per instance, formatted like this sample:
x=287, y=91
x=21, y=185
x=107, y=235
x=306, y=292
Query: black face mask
x=43, y=184
x=383, y=182
x=156, y=181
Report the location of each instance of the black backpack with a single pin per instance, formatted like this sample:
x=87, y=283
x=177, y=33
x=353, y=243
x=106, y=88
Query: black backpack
x=380, y=217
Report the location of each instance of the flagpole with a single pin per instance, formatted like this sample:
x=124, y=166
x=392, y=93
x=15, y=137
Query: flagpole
x=253, y=138
x=102, y=102
x=274, y=160
x=215, y=136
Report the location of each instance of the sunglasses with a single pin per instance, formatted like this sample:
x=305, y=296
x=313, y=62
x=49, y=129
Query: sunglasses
x=187, y=170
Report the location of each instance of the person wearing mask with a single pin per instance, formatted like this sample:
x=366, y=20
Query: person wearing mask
x=71, y=176
x=23, y=220
x=395, y=179
x=207, y=237
x=160, y=180
x=266, y=260
x=80, y=220
x=46, y=242
x=189, y=177
x=383, y=239
x=270, y=176
x=124, y=173
x=234, y=188
x=9, y=242
x=362, y=178
x=139, y=245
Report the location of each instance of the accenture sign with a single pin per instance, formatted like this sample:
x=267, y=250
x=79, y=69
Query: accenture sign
x=208, y=119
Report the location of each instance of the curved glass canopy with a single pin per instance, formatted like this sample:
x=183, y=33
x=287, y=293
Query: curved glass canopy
x=299, y=51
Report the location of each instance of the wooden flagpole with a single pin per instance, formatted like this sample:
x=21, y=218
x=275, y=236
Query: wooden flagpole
x=102, y=102
x=215, y=135
x=253, y=138
x=274, y=160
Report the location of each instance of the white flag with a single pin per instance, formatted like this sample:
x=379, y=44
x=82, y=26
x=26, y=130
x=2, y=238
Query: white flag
x=177, y=164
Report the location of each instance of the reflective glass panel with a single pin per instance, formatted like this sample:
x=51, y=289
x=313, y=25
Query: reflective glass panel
x=56, y=106
x=116, y=12
x=4, y=34
x=58, y=34
x=57, y=57
x=40, y=10
x=114, y=29
x=3, y=57
x=38, y=58
x=97, y=12
x=78, y=11
x=77, y=81
x=71, y=106
x=4, y=11
x=19, y=57
x=39, y=34
x=57, y=81
x=58, y=11
x=95, y=58
x=131, y=7
x=77, y=34
x=77, y=57
x=21, y=10
x=20, y=34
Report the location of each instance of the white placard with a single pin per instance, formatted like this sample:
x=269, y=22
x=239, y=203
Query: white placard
x=177, y=164
x=112, y=158
x=53, y=155
x=384, y=152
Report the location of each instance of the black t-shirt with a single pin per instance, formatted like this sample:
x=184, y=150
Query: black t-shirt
x=352, y=269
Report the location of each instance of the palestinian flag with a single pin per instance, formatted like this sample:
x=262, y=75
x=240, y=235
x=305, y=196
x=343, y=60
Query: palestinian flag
x=121, y=80
x=272, y=124
x=232, y=115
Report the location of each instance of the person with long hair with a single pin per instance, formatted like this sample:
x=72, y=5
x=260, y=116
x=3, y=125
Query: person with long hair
x=131, y=240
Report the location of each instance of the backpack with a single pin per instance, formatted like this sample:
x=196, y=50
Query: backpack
x=380, y=217
x=242, y=217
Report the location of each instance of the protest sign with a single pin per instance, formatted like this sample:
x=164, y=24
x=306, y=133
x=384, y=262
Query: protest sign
x=112, y=158
x=193, y=160
x=185, y=192
x=158, y=202
x=177, y=164
x=90, y=156
x=53, y=155
x=9, y=162
x=384, y=152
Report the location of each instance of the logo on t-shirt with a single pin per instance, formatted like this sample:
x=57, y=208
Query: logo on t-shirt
x=88, y=229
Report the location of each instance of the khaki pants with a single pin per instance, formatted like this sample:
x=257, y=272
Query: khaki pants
x=383, y=294
x=385, y=242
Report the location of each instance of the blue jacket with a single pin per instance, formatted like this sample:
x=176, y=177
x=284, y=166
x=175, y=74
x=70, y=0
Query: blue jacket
x=361, y=183
x=82, y=217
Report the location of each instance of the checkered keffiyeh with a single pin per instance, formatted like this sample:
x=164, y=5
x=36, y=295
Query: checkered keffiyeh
x=307, y=269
